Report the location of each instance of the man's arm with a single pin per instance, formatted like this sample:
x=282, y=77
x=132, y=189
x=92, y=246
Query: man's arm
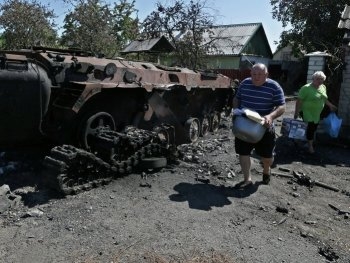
x=275, y=114
x=278, y=111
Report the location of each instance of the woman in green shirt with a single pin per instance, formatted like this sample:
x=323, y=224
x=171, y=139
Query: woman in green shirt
x=311, y=99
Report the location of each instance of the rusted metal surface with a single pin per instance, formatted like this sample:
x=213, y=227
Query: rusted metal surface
x=54, y=93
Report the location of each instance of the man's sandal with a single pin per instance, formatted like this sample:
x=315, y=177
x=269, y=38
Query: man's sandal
x=266, y=178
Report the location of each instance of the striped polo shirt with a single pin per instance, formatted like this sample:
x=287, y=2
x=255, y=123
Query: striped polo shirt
x=262, y=99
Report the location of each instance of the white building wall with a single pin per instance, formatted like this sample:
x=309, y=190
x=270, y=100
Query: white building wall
x=316, y=63
x=344, y=96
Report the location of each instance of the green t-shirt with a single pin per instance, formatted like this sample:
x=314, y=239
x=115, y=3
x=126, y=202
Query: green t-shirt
x=313, y=101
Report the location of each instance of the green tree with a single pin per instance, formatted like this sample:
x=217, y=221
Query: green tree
x=98, y=27
x=313, y=24
x=314, y=27
x=25, y=24
x=125, y=27
x=191, y=21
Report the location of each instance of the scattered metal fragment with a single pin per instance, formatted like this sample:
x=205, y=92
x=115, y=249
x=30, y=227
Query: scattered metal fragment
x=282, y=175
x=203, y=179
x=284, y=219
x=303, y=179
x=340, y=212
x=34, y=212
x=347, y=193
x=145, y=184
x=328, y=252
x=282, y=209
x=294, y=194
x=310, y=222
x=284, y=169
x=326, y=186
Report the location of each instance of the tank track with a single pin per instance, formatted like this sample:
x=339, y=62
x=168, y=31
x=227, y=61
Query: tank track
x=72, y=170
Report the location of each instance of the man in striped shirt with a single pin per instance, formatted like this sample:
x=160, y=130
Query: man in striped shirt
x=265, y=96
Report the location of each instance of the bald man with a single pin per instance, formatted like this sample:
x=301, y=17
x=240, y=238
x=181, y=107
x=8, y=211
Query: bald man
x=265, y=96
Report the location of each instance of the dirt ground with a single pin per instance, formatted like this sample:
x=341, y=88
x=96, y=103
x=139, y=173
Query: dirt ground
x=187, y=212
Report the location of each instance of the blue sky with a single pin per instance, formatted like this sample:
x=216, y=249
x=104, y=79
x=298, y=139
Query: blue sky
x=225, y=11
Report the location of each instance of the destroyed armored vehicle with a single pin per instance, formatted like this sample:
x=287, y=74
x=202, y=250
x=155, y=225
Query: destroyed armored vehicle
x=69, y=97
x=62, y=94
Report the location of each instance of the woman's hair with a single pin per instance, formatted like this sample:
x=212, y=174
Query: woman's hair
x=319, y=74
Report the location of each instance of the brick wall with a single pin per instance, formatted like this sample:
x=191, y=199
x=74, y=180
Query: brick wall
x=344, y=97
x=316, y=63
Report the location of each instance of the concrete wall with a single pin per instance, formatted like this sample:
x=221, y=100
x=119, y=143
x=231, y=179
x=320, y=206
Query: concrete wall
x=316, y=63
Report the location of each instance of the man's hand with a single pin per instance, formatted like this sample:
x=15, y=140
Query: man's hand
x=268, y=121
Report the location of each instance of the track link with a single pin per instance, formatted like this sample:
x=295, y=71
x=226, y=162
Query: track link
x=73, y=170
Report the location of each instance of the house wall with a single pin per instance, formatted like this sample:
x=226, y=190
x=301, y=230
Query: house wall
x=241, y=62
x=284, y=54
x=258, y=45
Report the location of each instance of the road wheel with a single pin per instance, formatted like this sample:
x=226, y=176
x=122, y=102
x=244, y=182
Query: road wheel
x=192, y=129
x=204, y=126
x=90, y=124
x=214, y=121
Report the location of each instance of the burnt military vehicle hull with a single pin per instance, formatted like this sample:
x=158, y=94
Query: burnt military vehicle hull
x=25, y=90
x=64, y=95
x=107, y=117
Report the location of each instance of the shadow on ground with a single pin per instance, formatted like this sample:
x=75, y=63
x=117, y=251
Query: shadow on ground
x=206, y=196
x=289, y=151
x=23, y=171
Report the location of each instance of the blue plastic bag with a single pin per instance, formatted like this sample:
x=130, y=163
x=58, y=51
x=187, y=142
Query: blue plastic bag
x=332, y=124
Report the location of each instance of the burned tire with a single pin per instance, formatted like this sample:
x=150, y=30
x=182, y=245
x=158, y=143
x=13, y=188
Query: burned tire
x=214, y=121
x=90, y=124
x=152, y=163
x=192, y=129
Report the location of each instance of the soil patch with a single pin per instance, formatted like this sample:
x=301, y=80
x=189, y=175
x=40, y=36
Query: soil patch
x=187, y=212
